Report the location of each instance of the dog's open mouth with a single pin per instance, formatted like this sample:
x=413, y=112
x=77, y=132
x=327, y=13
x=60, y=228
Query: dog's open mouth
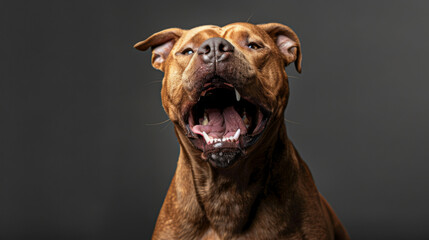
x=223, y=123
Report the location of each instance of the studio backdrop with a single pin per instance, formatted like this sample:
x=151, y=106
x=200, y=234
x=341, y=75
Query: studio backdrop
x=87, y=152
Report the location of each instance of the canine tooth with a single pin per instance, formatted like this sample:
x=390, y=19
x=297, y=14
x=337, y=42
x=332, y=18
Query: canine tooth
x=237, y=134
x=206, y=120
x=218, y=145
x=207, y=138
x=237, y=95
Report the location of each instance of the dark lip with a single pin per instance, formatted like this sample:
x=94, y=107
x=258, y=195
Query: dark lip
x=245, y=141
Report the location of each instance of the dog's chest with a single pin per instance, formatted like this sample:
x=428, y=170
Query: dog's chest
x=210, y=234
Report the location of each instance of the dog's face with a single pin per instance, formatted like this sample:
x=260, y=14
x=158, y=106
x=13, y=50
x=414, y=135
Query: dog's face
x=223, y=85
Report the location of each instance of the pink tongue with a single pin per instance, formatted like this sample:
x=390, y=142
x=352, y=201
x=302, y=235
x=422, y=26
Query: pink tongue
x=221, y=123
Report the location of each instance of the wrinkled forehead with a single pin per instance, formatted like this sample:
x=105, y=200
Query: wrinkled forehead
x=237, y=31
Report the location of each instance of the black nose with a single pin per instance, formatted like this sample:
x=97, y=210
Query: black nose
x=215, y=49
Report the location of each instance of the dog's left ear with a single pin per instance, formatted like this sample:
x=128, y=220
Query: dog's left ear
x=161, y=44
x=287, y=41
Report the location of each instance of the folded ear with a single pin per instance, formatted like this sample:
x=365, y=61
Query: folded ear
x=161, y=44
x=287, y=41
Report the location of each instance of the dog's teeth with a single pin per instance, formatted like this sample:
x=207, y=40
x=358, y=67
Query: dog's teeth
x=206, y=120
x=207, y=138
x=223, y=139
x=236, y=135
x=218, y=145
x=237, y=95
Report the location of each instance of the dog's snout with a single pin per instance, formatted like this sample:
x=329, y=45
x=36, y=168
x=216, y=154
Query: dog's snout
x=215, y=49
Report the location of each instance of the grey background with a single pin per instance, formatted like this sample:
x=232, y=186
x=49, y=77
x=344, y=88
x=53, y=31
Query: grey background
x=81, y=157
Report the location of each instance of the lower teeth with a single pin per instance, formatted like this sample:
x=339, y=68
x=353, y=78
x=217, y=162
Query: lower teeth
x=210, y=140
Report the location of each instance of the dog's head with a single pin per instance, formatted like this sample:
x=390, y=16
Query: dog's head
x=223, y=86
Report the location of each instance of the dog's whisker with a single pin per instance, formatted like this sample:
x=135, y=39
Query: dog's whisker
x=158, y=123
x=166, y=125
x=250, y=17
x=290, y=121
x=293, y=77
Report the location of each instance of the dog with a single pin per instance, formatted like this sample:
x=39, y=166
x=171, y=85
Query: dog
x=238, y=175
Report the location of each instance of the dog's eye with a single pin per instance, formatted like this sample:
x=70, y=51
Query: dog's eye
x=188, y=51
x=253, y=45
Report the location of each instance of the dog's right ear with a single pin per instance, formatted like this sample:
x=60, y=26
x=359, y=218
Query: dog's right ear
x=161, y=44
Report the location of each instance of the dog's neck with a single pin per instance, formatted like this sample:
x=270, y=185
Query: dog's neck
x=229, y=198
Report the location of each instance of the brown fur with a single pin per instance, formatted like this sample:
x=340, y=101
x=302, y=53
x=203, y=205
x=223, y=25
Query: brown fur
x=269, y=192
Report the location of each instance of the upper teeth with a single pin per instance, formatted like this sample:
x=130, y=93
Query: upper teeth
x=237, y=95
x=211, y=140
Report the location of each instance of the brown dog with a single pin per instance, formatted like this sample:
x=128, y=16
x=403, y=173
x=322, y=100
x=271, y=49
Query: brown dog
x=238, y=175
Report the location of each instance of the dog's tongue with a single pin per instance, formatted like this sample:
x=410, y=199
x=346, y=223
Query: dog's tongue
x=222, y=123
